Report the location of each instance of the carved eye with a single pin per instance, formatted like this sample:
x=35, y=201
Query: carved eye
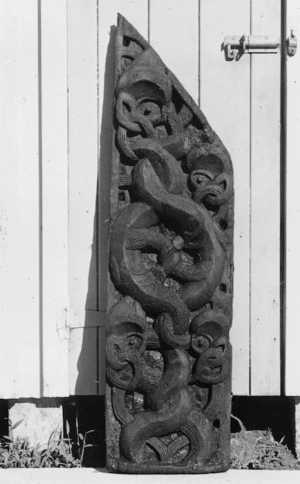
x=221, y=344
x=150, y=109
x=134, y=341
x=201, y=343
x=126, y=107
x=200, y=177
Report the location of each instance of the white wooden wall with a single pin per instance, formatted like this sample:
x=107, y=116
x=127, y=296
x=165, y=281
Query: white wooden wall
x=293, y=209
x=56, y=141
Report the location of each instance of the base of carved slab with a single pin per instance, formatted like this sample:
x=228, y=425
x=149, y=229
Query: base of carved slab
x=164, y=469
x=212, y=457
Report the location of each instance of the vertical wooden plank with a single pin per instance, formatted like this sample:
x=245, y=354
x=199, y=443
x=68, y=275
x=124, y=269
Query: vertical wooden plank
x=83, y=157
x=293, y=208
x=54, y=197
x=87, y=356
x=83, y=359
x=19, y=206
x=174, y=35
x=136, y=12
x=83, y=180
x=265, y=206
x=225, y=100
x=9, y=245
x=29, y=225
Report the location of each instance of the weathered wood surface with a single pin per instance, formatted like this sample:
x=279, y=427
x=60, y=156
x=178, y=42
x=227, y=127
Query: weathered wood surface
x=168, y=356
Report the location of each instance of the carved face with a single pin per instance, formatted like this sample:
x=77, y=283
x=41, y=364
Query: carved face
x=126, y=333
x=209, y=178
x=210, y=345
x=142, y=81
x=128, y=337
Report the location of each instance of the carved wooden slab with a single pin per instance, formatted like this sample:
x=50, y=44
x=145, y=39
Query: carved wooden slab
x=170, y=306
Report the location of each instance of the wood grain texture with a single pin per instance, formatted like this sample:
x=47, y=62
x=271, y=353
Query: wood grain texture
x=225, y=100
x=265, y=206
x=173, y=180
x=292, y=208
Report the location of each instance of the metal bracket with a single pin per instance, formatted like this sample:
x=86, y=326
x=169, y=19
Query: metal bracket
x=235, y=46
x=291, y=43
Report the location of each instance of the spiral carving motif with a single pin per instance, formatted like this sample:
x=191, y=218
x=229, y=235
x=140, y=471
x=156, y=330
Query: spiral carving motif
x=168, y=352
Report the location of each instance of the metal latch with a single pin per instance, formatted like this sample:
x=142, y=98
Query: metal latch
x=235, y=46
x=291, y=43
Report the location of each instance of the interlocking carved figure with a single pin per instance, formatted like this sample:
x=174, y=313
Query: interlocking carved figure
x=168, y=349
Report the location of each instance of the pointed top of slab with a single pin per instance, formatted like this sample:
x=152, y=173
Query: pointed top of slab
x=130, y=44
x=128, y=30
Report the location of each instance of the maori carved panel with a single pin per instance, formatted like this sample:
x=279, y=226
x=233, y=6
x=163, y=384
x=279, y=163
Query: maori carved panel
x=170, y=307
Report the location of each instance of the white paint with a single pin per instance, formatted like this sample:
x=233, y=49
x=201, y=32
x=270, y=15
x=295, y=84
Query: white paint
x=293, y=209
x=54, y=197
x=19, y=193
x=265, y=206
x=28, y=279
x=77, y=51
x=9, y=245
x=83, y=182
x=83, y=158
x=174, y=35
x=225, y=101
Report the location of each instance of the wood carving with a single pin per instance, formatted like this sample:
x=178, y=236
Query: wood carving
x=170, y=308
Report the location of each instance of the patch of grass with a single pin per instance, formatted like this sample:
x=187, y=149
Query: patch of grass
x=20, y=454
x=17, y=452
x=257, y=449
x=250, y=449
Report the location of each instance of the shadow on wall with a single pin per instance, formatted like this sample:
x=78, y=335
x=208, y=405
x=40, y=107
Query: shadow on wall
x=91, y=369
